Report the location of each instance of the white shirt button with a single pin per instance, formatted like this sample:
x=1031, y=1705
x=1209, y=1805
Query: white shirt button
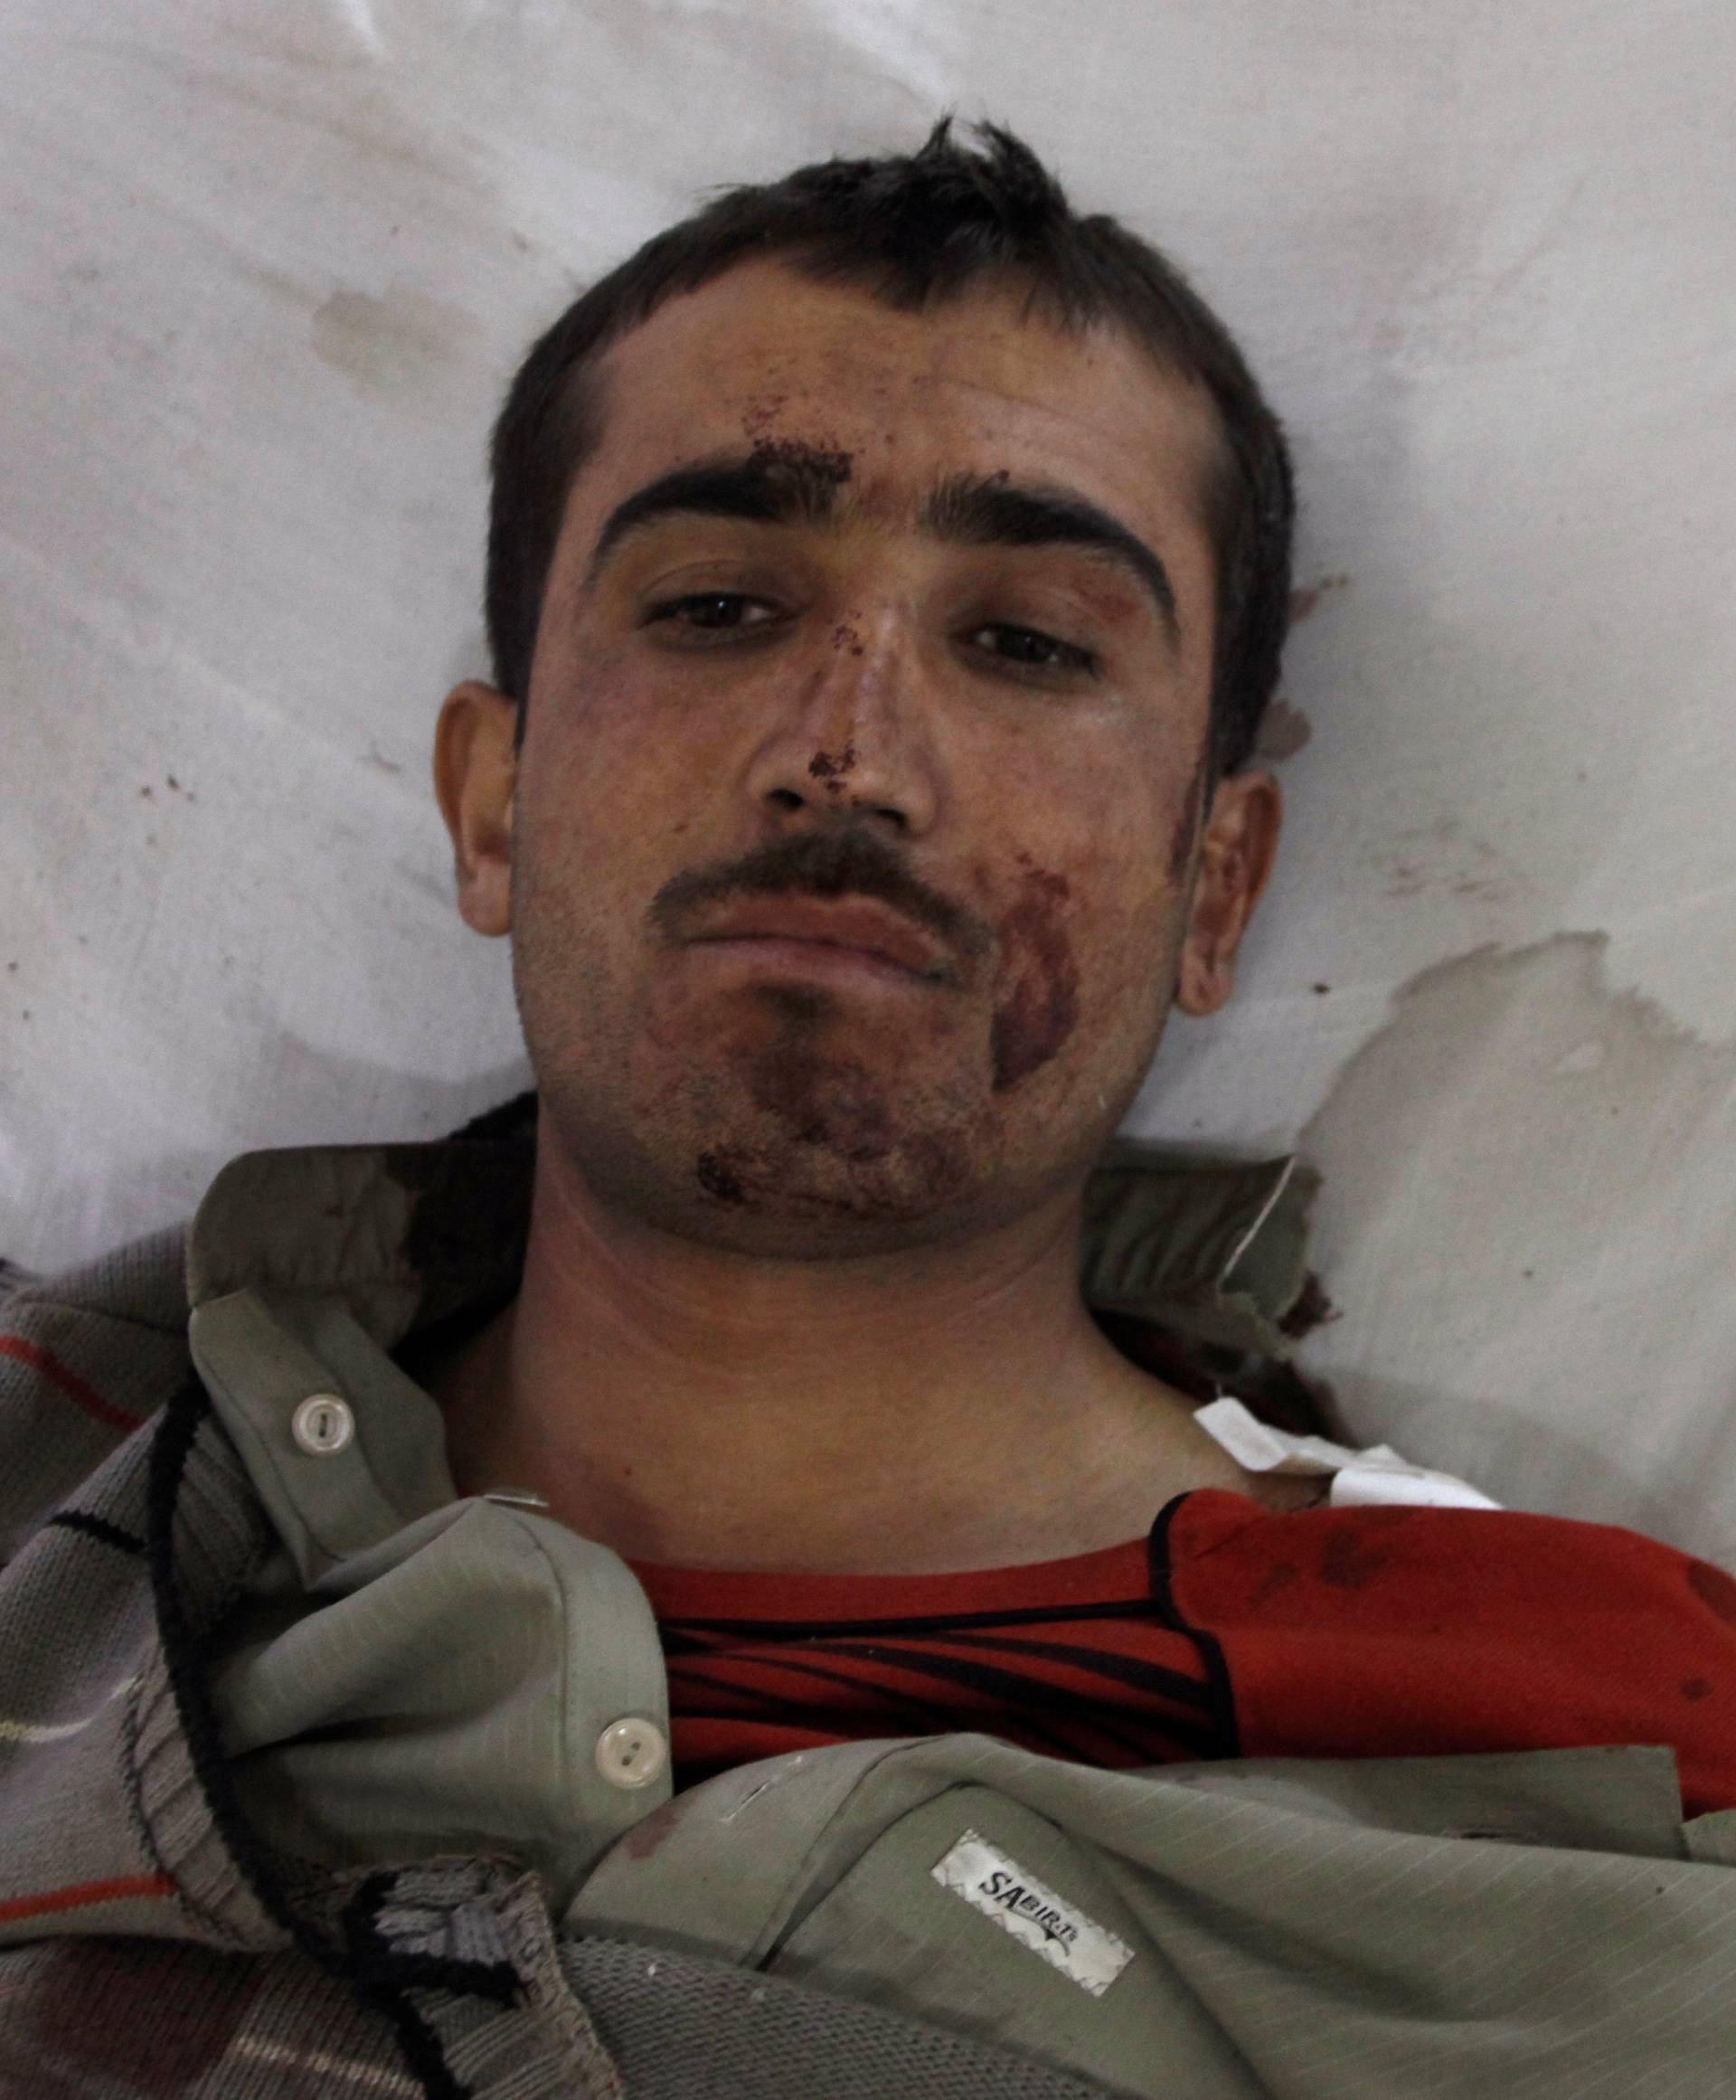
x=631, y=1753
x=323, y=1424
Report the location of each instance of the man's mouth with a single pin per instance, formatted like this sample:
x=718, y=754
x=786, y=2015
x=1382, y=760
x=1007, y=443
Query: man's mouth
x=848, y=928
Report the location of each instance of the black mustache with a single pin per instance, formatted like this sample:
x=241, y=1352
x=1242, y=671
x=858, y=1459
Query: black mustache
x=849, y=862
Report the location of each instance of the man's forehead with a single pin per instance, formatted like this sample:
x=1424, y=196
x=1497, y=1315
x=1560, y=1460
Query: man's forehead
x=873, y=408
x=764, y=351
x=798, y=319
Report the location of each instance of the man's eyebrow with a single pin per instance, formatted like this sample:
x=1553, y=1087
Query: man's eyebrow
x=989, y=510
x=788, y=487
x=793, y=485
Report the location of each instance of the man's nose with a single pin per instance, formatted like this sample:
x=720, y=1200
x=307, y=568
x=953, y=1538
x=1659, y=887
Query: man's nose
x=857, y=735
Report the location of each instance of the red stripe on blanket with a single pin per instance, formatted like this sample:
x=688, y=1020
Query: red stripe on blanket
x=70, y=1383
x=86, y=1892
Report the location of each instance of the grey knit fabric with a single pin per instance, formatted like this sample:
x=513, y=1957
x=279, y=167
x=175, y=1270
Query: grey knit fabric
x=117, y=2018
x=681, y=2028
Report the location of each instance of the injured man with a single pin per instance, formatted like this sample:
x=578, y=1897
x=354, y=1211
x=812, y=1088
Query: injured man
x=750, y=1570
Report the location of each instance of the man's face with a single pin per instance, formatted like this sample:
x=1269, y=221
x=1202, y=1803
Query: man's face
x=900, y=679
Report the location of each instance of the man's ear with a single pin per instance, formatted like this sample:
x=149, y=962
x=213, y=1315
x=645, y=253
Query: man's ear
x=476, y=771
x=1237, y=848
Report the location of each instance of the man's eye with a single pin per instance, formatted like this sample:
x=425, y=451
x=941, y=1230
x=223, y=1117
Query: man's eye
x=716, y=611
x=1026, y=645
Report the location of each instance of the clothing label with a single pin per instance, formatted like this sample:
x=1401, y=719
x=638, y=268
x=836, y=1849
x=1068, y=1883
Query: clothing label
x=1060, y=1932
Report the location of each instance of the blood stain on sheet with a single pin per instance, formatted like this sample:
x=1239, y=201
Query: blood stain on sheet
x=1283, y=733
x=1312, y=1309
x=1445, y=856
x=1306, y=602
x=391, y=343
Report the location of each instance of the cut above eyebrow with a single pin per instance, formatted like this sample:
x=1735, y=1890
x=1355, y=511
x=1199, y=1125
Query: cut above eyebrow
x=798, y=488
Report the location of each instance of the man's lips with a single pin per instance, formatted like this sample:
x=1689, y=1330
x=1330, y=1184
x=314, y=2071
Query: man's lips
x=852, y=924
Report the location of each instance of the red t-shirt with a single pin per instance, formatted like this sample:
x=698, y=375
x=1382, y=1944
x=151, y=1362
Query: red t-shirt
x=1232, y=1631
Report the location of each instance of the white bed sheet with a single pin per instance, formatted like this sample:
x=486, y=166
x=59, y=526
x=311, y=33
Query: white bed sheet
x=265, y=270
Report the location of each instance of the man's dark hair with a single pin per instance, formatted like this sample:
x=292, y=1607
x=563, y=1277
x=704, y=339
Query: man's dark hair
x=913, y=229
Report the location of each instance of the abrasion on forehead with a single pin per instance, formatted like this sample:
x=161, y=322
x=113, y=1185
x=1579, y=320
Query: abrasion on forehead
x=827, y=465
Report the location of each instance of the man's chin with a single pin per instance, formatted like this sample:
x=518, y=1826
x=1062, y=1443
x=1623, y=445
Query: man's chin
x=813, y=1197
x=784, y=1197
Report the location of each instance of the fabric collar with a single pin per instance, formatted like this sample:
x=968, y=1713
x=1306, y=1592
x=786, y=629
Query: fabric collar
x=409, y=1235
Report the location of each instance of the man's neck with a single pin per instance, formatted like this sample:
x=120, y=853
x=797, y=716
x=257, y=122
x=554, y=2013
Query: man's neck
x=934, y=1410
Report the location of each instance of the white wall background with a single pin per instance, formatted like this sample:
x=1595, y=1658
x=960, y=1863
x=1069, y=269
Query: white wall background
x=266, y=267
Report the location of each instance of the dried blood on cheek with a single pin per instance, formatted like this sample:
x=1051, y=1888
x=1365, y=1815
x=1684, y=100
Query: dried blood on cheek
x=1042, y=1010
